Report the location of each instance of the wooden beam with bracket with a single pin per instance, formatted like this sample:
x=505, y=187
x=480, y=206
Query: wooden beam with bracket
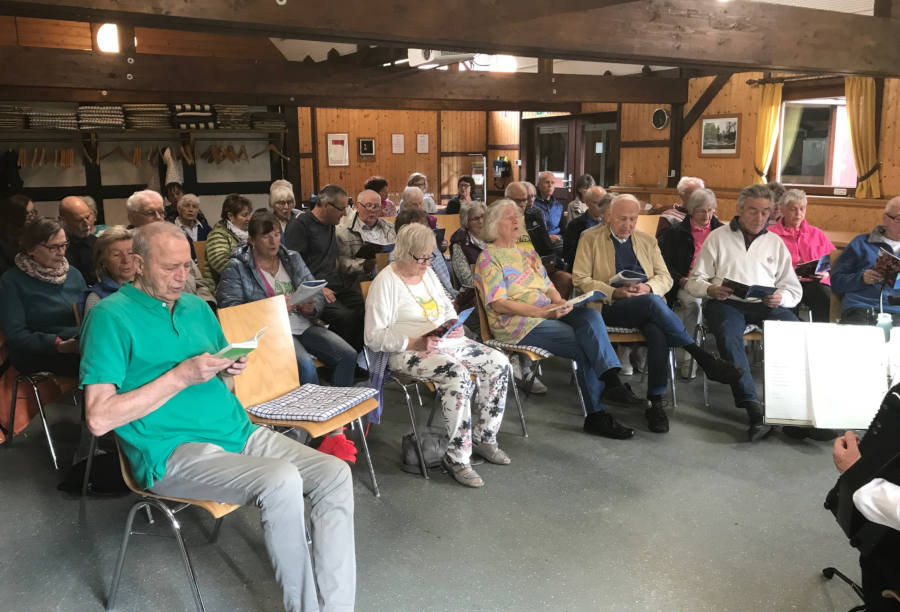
x=741, y=35
x=151, y=77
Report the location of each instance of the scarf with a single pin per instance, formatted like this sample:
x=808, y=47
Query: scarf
x=56, y=275
x=240, y=234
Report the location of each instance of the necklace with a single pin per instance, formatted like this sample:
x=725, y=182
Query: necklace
x=268, y=267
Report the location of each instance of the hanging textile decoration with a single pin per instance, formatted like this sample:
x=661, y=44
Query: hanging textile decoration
x=766, y=130
x=860, y=93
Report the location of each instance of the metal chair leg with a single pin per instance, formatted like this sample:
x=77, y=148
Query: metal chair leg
x=188, y=568
x=40, y=407
x=89, y=464
x=672, y=377
x=519, y=406
x=10, y=431
x=412, y=420
x=365, y=445
x=117, y=574
x=578, y=387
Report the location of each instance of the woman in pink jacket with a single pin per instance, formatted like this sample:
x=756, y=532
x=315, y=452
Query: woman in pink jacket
x=805, y=243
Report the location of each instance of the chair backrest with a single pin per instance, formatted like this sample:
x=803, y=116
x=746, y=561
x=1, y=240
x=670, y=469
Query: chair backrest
x=834, y=304
x=200, y=252
x=77, y=312
x=272, y=368
x=450, y=223
x=364, y=288
x=391, y=219
x=647, y=224
x=484, y=326
x=382, y=261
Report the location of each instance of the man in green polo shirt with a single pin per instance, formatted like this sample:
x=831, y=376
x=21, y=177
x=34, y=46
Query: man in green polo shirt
x=148, y=372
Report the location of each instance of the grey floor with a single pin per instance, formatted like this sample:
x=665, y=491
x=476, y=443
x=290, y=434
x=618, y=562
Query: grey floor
x=693, y=520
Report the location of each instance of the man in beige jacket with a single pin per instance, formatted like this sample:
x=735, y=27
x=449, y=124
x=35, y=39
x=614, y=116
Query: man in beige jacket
x=605, y=255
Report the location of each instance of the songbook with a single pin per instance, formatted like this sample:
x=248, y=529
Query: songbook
x=369, y=249
x=445, y=328
x=809, y=380
x=809, y=269
x=307, y=291
x=888, y=265
x=627, y=277
x=748, y=292
x=236, y=350
x=584, y=298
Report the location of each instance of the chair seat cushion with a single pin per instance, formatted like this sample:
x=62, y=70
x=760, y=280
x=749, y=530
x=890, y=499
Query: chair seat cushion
x=518, y=348
x=311, y=403
x=622, y=330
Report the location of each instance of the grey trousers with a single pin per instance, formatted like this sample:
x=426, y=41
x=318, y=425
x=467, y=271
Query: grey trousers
x=276, y=473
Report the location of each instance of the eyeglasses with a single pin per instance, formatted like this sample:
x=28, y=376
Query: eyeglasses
x=374, y=206
x=283, y=203
x=56, y=248
x=893, y=218
x=520, y=200
x=479, y=218
x=422, y=260
x=153, y=213
x=343, y=209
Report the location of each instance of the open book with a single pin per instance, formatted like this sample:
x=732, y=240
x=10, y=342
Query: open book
x=584, y=298
x=888, y=264
x=748, y=292
x=444, y=329
x=627, y=277
x=236, y=350
x=808, y=269
x=307, y=291
x=369, y=249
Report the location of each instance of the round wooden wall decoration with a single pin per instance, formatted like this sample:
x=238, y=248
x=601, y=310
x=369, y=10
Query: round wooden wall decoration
x=660, y=118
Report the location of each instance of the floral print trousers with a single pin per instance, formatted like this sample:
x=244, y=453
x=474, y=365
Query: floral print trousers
x=451, y=368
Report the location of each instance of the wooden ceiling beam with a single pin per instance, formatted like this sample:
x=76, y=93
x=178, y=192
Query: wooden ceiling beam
x=146, y=73
x=740, y=35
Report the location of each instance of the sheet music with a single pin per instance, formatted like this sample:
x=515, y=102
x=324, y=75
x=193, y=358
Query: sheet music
x=788, y=400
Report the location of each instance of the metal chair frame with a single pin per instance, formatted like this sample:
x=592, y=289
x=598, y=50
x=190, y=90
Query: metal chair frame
x=34, y=379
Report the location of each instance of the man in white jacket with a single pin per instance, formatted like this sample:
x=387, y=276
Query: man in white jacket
x=743, y=251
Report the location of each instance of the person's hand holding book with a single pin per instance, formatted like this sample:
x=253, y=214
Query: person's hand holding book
x=719, y=292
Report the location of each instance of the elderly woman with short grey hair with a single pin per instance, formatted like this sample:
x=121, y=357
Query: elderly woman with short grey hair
x=805, y=243
x=282, y=203
x=189, y=219
x=113, y=264
x=680, y=246
x=466, y=243
x=405, y=307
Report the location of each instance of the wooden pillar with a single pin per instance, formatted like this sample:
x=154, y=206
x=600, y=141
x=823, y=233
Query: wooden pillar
x=292, y=148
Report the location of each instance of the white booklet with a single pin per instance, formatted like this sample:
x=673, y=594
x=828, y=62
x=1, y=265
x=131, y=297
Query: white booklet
x=236, y=350
x=307, y=291
x=627, y=277
x=592, y=296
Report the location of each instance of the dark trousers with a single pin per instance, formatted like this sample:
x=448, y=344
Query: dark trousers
x=726, y=320
x=346, y=316
x=864, y=316
x=659, y=324
x=880, y=571
x=816, y=297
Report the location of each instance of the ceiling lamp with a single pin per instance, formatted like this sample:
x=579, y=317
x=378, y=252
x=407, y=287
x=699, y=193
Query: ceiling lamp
x=108, y=38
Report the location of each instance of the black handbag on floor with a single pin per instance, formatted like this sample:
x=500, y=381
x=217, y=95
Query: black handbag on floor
x=434, y=443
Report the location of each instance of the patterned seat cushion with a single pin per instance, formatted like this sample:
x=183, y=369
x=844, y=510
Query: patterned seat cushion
x=312, y=403
x=518, y=348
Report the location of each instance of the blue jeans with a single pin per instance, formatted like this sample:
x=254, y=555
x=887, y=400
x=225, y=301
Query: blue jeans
x=580, y=335
x=659, y=324
x=331, y=349
x=726, y=320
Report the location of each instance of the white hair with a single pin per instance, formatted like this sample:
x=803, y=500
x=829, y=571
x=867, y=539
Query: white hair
x=686, y=181
x=280, y=190
x=411, y=192
x=135, y=202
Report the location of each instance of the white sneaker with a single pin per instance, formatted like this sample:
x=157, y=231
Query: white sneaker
x=624, y=352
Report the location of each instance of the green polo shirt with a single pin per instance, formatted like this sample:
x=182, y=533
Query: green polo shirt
x=130, y=339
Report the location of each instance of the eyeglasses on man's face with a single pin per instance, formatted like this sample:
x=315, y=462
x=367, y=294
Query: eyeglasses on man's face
x=894, y=218
x=422, y=260
x=343, y=208
x=153, y=212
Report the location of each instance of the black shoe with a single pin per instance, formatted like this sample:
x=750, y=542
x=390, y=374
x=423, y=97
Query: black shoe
x=758, y=429
x=602, y=424
x=657, y=421
x=622, y=396
x=719, y=370
x=800, y=433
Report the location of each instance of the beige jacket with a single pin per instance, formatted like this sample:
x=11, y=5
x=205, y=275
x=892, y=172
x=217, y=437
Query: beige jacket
x=595, y=262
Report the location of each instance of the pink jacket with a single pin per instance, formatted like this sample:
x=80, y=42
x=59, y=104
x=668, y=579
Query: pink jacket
x=805, y=243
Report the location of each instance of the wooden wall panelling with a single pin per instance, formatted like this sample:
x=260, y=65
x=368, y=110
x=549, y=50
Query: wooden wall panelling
x=514, y=175
x=452, y=167
x=889, y=150
x=635, y=122
x=643, y=165
x=736, y=97
x=54, y=33
x=599, y=107
x=378, y=124
x=203, y=44
x=304, y=129
x=503, y=128
x=462, y=131
x=307, y=182
x=8, y=35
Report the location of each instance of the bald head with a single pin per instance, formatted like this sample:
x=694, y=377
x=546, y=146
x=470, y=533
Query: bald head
x=368, y=206
x=518, y=193
x=76, y=216
x=622, y=216
x=688, y=185
x=891, y=218
x=596, y=200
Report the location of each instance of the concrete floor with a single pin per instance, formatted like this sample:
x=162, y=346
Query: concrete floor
x=693, y=520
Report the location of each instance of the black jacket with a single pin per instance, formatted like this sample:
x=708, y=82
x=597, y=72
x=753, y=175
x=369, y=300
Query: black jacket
x=80, y=254
x=677, y=248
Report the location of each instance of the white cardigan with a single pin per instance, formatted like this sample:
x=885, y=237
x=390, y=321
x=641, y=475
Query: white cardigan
x=767, y=262
x=392, y=314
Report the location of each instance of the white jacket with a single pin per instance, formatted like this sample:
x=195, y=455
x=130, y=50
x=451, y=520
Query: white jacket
x=767, y=262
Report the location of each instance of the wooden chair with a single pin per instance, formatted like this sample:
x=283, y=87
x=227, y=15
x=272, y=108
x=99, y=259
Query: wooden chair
x=647, y=224
x=632, y=335
x=382, y=261
x=450, y=223
x=272, y=369
x=200, y=252
x=150, y=500
x=752, y=334
x=834, y=304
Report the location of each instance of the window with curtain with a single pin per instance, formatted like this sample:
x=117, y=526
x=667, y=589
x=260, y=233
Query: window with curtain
x=814, y=146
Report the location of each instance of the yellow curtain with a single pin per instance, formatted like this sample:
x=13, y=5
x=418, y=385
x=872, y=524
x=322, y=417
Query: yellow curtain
x=860, y=93
x=766, y=130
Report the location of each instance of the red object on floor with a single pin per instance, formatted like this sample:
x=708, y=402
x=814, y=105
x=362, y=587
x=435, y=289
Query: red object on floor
x=340, y=447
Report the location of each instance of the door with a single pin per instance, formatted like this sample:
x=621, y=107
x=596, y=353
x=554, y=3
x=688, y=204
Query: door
x=599, y=143
x=554, y=154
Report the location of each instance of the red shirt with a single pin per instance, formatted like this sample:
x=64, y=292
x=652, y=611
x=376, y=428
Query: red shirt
x=804, y=243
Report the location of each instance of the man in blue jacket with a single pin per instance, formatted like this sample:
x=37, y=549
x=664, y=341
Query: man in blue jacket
x=863, y=289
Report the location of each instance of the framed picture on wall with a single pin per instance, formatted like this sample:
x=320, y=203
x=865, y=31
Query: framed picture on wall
x=366, y=147
x=720, y=135
x=338, y=149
